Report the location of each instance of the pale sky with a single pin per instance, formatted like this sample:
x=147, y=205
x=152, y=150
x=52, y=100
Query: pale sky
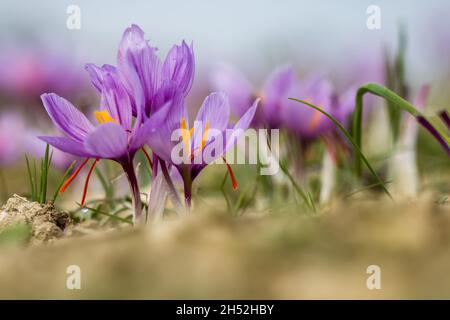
x=255, y=34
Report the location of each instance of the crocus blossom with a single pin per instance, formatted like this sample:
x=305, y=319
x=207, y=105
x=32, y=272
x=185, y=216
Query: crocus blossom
x=273, y=92
x=306, y=122
x=210, y=127
x=115, y=137
x=137, y=87
x=36, y=147
x=147, y=79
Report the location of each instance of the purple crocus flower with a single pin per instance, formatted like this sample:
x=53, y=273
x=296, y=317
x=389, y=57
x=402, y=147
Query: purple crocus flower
x=147, y=80
x=273, y=93
x=139, y=86
x=210, y=127
x=308, y=123
x=36, y=147
x=116, y=137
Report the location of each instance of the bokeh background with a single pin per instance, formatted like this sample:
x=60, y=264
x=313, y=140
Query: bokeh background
x=276, y=249
x=256, y=35
x=38, y=53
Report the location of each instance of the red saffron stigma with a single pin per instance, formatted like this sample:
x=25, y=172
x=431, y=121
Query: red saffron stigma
x=77, y=171
x=86, y=184
x=148, y=157
x=232, y=177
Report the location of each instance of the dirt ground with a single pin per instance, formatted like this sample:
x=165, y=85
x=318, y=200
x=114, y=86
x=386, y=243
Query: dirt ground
x=262, y=255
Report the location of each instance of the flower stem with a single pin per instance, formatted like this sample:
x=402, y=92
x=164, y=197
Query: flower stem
x=188, y=193
x=172, y=190
x=134, y=186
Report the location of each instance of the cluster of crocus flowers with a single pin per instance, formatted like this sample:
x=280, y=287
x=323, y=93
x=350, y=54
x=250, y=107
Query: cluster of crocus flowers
x=303, y=125
x=276, y=110
x=142, y=102
x=242, y=93
x=29, y=71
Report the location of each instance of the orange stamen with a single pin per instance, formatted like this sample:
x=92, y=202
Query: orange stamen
x=232, y=177
x=186, y=135
x=104, y=117
x=77, y=171
x=203, y=142
x=205, y=135
x=316, y=118
x=86, y=184
x=148, y=157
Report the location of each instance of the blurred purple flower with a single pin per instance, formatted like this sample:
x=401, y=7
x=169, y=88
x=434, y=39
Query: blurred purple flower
x=273, y=93
x=27, y=72
x=12, y=129
x=308, y=123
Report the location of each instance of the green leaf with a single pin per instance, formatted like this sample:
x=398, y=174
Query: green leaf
x=395, y=101
x=307, y=199
x=44, y=174
x=109, y=215
x=353, y=142
x=30, y=177
x=61, y=182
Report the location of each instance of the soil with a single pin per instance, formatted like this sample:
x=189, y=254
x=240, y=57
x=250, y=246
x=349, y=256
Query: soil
x=262, y=255
x=45, y=223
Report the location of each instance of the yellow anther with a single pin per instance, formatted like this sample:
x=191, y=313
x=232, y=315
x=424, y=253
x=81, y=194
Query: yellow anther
x=103, y=117
x=186, y=134
x=205, y=135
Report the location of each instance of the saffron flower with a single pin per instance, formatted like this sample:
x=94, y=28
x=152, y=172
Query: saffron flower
x=36, y=148
x=147, y=79
x=116, y=137
x=273, y=93
x=139, y=86
x=202, y=144
x=308, y=123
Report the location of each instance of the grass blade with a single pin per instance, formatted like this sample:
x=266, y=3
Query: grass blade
x=224, y=193
x=297, y=188
x=365, y=188
x=352, y=141
x=35, y=198
x=109, y=215
x=63, y=179
x=398, y=102
x=41, y=185
x=30, y=177
x=44, y=175
x=107, y=187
